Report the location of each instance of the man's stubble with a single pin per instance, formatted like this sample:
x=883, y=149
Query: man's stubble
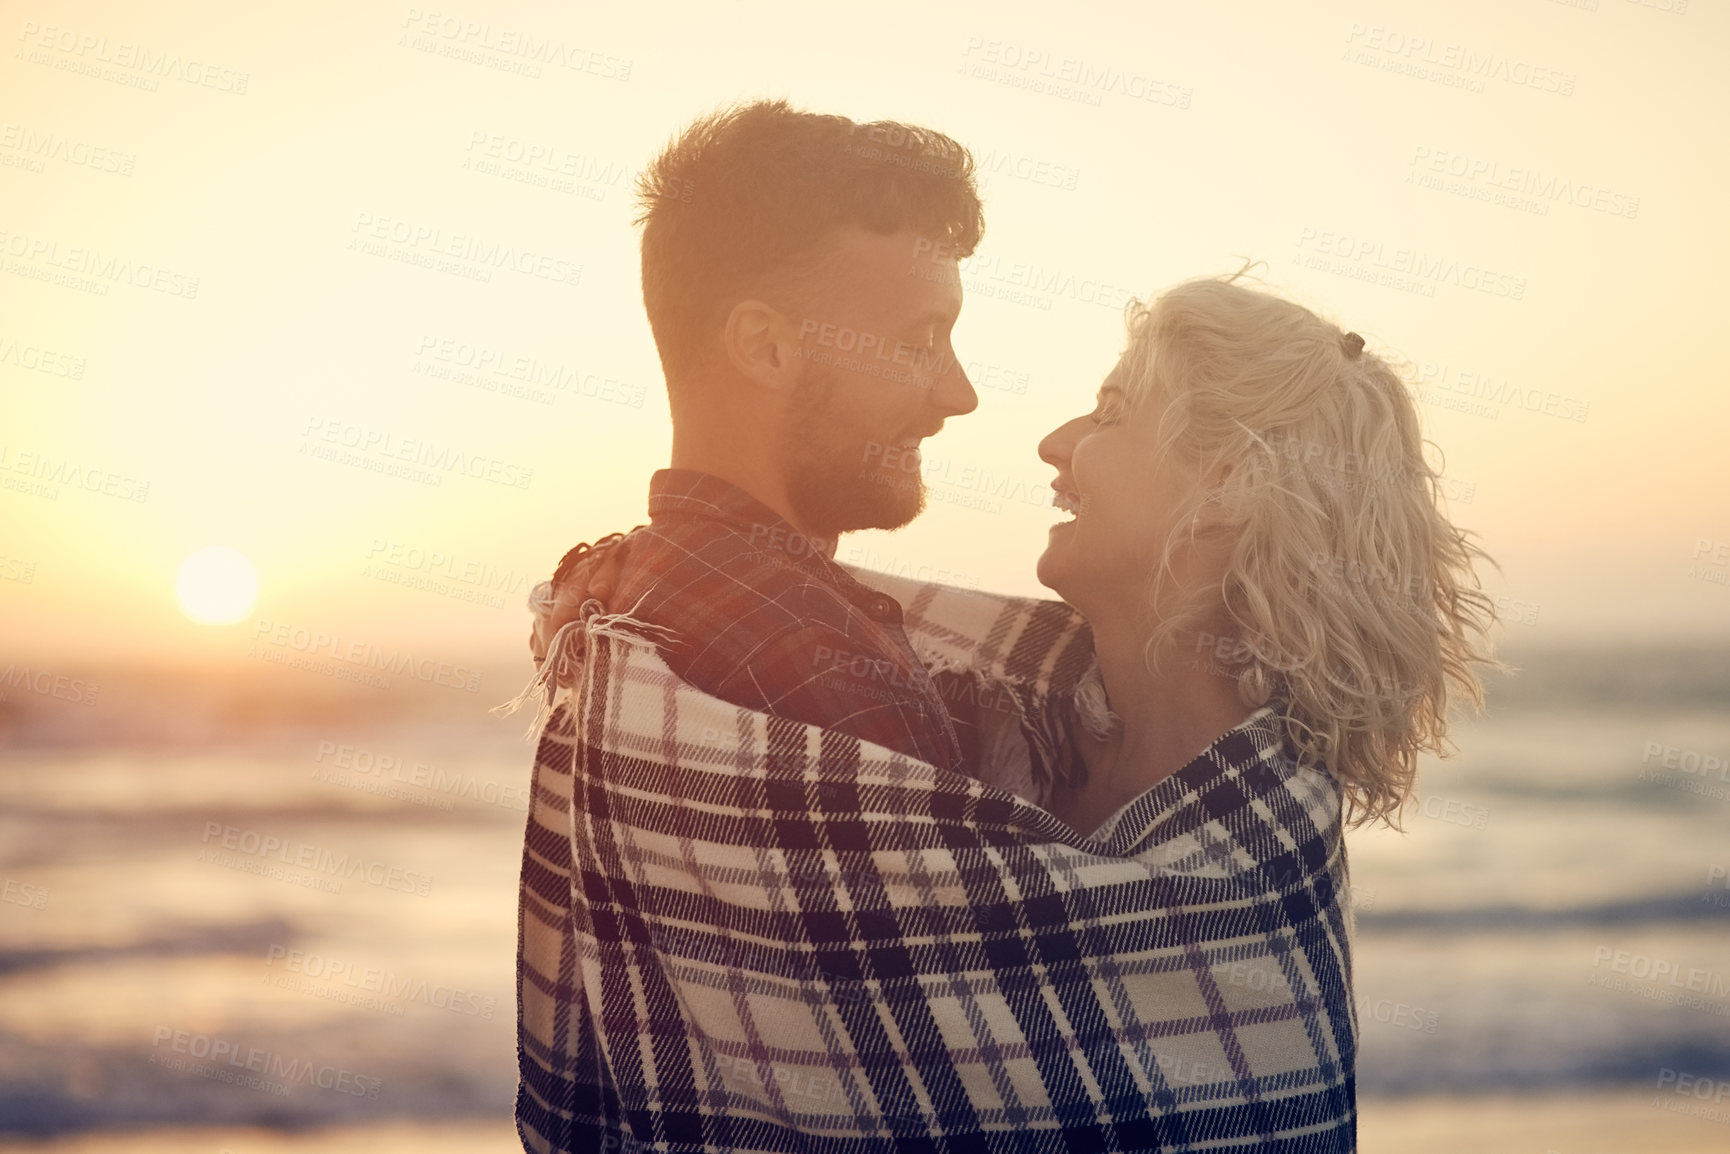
x=831, y=484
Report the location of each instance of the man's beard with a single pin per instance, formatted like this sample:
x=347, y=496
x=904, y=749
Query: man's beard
x=832, y=487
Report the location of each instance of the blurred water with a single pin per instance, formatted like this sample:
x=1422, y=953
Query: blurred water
x=259, y=902
x=348, y=956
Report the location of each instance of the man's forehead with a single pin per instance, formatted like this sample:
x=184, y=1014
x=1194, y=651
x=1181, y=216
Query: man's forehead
x=904, y=267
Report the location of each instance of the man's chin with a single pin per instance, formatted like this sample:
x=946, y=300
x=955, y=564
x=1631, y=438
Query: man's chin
x=898, y=518
x=864, y=508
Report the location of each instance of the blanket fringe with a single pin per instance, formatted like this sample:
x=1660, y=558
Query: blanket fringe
x=568, y=649
x=627, y=627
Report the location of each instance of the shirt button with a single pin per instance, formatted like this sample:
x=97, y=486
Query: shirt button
x=883, y=607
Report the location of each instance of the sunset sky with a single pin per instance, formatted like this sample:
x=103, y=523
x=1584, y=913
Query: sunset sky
x=207, y=280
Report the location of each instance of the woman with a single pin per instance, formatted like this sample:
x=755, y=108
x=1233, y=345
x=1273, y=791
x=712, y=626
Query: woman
x=1279, y=609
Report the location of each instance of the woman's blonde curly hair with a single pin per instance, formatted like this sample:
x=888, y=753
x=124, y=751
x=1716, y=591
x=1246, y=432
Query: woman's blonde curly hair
x=1355, y=597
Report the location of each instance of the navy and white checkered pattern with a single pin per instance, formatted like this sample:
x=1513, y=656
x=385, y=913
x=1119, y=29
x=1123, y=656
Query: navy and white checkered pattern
x=742, y=933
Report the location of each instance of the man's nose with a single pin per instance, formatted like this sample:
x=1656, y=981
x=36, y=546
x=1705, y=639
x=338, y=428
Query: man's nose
x=954, y=394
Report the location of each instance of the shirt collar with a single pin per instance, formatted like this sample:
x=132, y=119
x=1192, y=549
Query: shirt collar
x=689, y=493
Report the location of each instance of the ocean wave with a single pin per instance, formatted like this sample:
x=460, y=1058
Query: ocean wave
x=1672, y=909
x=250, y=938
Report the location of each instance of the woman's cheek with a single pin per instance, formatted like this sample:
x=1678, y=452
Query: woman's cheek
x=1091, y=469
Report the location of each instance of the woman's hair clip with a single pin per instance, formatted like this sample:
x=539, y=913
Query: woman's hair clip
x=1353, y=345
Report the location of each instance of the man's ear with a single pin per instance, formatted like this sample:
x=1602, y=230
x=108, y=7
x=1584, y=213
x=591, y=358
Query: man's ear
x=762, y=344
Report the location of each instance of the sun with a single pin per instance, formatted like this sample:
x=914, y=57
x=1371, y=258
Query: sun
x=216, y=586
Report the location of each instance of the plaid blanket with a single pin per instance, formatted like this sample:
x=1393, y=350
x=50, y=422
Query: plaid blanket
x=741, y=933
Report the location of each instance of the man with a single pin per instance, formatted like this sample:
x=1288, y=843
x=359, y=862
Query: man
x=800, y=277
x=800, y=274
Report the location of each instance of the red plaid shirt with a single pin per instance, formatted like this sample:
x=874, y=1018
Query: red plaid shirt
x=765, y=619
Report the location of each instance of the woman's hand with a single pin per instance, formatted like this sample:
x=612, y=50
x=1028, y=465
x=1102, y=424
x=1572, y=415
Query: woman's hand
x=586, y=572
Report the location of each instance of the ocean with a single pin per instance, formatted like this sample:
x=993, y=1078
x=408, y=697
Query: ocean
x=268, y=911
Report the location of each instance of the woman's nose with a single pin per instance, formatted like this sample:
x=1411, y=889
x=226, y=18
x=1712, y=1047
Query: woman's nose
x=1054, y=449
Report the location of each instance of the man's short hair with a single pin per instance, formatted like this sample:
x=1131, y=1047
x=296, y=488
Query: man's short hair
x=744, y=200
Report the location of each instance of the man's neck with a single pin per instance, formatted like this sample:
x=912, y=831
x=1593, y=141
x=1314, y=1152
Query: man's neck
x=745, y=470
